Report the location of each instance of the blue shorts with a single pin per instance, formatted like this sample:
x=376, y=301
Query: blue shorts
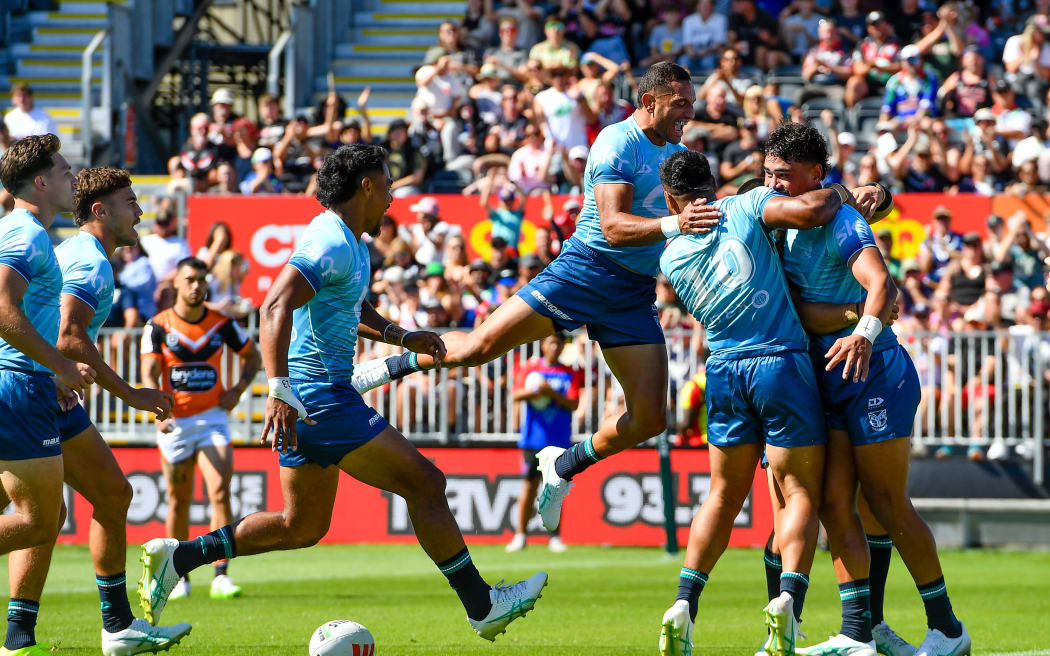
x=344, y=422
x=28, y=416
x=72, y=423
x=768, y=398
x=878, y=409
x=583, y=287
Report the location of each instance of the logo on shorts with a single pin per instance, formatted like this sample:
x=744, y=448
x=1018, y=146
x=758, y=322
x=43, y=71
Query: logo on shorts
x=54, y=441
x=878, y=420
x=554, y=309
x=374, y=420
x=874, y=401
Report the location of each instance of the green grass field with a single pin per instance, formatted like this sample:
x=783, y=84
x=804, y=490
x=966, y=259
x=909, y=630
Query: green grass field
x=599, y=601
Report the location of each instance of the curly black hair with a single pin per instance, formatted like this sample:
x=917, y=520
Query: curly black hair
x=660, y=76
x=340, y=175
x=687, y=174
x=27, y=158
x=798, y=142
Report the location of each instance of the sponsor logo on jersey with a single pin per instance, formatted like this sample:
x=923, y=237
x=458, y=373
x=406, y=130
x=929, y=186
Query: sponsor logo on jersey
x=193, y=378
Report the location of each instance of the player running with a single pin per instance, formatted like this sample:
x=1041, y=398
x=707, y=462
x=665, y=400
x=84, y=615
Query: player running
x=605, y=278
x=309, y=326
x=182, y=351
x=31, y=469
x=870, y=409
x=761, y=392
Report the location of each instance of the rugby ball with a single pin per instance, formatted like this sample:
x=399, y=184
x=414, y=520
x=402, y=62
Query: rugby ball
x=532, y=383
x=342, y=638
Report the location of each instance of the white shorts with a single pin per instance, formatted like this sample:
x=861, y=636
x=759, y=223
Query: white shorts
x=208, y=428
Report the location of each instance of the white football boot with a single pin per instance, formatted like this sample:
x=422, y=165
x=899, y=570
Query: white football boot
x=783, y=627
x=158, y=577
x=517, y=543
x=180, y=591
x=509, y=602
x=223, y=587
x=938, y=644
x=556, y=545
x=142, y=638
x=553, y=488
x=676, y=630
x=838, y=645
x=888, y=643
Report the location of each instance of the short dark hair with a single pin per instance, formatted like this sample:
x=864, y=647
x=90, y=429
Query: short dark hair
x=753, y=183
x=687, y=174
x=660, y=76
x=193, y=263
x=27, y=158
x=340, y=175
x=798, y=142
x=93, y=184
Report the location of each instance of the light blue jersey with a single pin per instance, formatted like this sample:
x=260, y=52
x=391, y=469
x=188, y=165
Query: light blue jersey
x=731, y=280
x=87, y=275
x=622, y=154
x=818, y=262
x=26, y=248
x=324, y=330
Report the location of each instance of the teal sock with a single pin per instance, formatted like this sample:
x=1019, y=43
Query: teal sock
x=464, y=578
x=690, y=584
x=21, y=623
x=774, y=568
x=795, y=584
x=939, y=614
x=113, y=599
x=576, y=459
x=856, y=614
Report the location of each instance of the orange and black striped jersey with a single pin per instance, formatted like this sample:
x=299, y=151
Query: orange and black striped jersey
x=191, y=356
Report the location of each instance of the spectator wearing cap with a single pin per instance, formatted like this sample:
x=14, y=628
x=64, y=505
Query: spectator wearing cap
x=562, y=111
x=966, y=90
x=755, y=35
x=885, y=240
x=529, y=266
x=608, y=110
x=262, y=179
x=936, y=250
x=1011, y=122
x=1028, y=255
x=199, y=156
x=597, y=71
x=920, y=163
x=986, y=142
x=434, y=287
x=1026, y=58
x=827, y=64
x=486, y=94
x=665, y=40
x=875, y=59
x=800, y=27
x=294, y=155
x=477, y=290
x=703, y=34
x=574, y=164
x=271, y=124
x=555, y=52
x=407, y=164
x=1014, y=298
x=220, y=132
x=994, y=236
x=719, y=119
x=1031, y=147
x=429, y=235
x=509, y=61
x=742, y=159
x=26, y=119
x=913, y=287
x=507, y=216
x=529, y=165
x=727, y=76
x=911, y=93
x=965, y=278
x=843, y=145
x=401, y=255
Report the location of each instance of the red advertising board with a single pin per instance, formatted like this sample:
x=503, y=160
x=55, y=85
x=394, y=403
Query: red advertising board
x=265, y=228
x=617, y=501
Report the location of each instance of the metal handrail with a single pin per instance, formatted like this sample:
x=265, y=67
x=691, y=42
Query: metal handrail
x=85, y=87
x=285, y=45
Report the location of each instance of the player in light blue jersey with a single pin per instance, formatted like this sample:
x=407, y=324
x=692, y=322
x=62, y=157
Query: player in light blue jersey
x=869, y=410
x=761, y=390
x=310, y=322
x=31, y=467
x=604, y=278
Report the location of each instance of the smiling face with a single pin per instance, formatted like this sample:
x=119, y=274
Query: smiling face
x=792, y=178
x=671, y=108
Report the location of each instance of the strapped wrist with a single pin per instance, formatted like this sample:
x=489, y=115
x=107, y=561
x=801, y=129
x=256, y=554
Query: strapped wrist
x=669, y=226
x=869, y=327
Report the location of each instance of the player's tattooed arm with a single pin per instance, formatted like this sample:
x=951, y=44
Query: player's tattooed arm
x=621, y=228
x=377, y=328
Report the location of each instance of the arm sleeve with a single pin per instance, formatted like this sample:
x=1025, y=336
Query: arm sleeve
x=851, y=234
x=319, y=260
x=234, y=336
x=83, y=280
x=24, y=250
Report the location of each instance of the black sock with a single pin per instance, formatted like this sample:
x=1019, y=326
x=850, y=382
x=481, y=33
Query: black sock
x=690, y=584
x=467, y=582
x=856, y=614
x=113, y=597
x=773, y=570
x=402, y=365
x=795, y=584
x=578, y=457
x=221, y=566
x=208, y=548
x=881, y=548
x=939, y=613
x=21, y=623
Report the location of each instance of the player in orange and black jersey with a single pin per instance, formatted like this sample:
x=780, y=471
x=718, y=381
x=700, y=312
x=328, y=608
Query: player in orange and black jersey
x=182, y=351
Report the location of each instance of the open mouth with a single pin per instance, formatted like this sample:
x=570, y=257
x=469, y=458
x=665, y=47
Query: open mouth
x=679, y=127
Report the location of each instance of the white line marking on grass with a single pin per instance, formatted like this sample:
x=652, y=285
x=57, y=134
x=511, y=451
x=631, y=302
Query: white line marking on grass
x=1033, y=652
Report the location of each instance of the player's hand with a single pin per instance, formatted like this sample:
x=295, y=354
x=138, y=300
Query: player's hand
x=165, y=425
x=895, y=313
x=228, y=400
x=867, y=199
x=281, y=417
x=424, y=341
x=76, y=376
x=152, y=400
x=855, y=351
x=66, y=398
x=698, y=218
